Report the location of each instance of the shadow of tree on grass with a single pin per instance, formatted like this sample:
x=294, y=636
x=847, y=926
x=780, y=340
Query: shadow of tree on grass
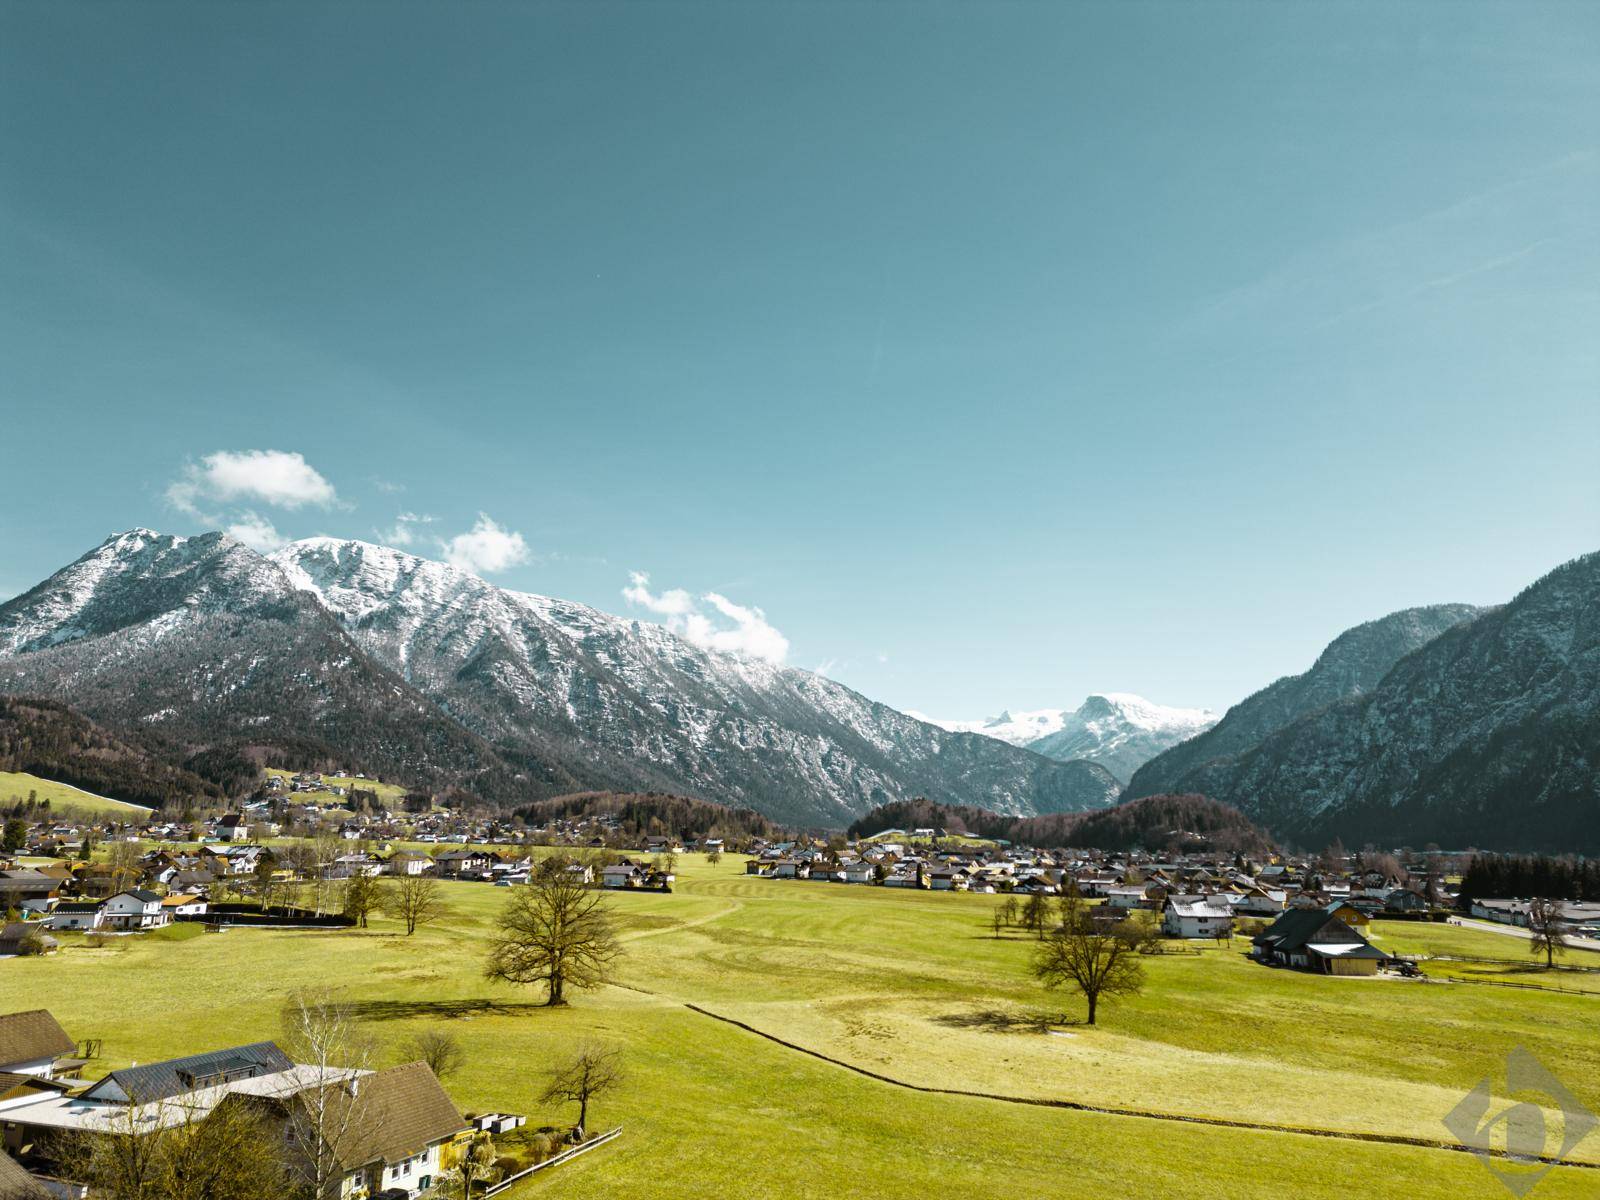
x=400, y=1010
x=998, y=1021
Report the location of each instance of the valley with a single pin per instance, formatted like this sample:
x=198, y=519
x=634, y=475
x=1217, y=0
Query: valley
x=838, y=1004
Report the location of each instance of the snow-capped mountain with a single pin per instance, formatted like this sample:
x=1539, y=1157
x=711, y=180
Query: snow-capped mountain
x=204, y=642
x=405, y=665
x=1118, y=730
x=645, y=708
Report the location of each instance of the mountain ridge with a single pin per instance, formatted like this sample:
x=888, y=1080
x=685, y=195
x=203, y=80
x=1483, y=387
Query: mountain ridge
x=340, y=648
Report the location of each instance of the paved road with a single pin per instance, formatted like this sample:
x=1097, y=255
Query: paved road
x=1517, y=931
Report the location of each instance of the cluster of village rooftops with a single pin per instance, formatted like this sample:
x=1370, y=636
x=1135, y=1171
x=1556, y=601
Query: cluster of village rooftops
x=402, y=1133
x=1197, y=895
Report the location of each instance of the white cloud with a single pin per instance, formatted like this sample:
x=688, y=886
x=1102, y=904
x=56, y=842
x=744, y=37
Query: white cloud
x=277, y=477
x=673, y=603
x=256, y=532
x=741, y=630
x=403, y=532
x=486, y=548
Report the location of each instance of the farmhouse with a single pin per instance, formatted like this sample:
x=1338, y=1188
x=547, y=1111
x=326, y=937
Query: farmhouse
x=1315, y=940
x=1197, y=917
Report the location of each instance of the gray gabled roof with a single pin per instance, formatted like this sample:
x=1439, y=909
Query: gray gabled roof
x=176, y=1076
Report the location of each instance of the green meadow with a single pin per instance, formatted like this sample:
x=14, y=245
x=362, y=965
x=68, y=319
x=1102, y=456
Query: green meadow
x=18, y=785
x=912, y=987
x=388, y=793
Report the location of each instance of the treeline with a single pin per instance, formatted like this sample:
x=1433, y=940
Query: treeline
x=1154, y=823
x=45, y=738
x=1524, y=876
x=642, y=814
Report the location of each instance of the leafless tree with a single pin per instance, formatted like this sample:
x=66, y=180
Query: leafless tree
x=414, y=900
x=322, y=1034
x=173, y=1150
x=556, y=931
x=1094, y=963
x=592, y=1071
x=125, y=861
x=1549, y=930
x=326, y=847
x=1036, y=914
x=439, y=1048
x=363, y=895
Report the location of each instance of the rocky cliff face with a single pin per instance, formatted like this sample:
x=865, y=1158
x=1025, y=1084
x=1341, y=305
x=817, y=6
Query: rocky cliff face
x=1352, y=665
x=1488, y=735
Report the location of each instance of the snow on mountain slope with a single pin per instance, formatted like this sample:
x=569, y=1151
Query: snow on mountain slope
x=641, y=707
x=208, y=643
x=1118, y=730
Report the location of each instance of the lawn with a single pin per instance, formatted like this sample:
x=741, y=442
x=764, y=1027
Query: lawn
x=910, y=986
x=16, y=786
x=389, y=794
x=1477, y=956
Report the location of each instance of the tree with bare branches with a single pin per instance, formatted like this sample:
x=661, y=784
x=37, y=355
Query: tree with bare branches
x=175, y=1150
x=592, y=1071
x=414, y=900
x=1092, y=962
x=1548, y=929
x=363, y=895
x=439, y=1048
x=556, y=931
x=322, y=1034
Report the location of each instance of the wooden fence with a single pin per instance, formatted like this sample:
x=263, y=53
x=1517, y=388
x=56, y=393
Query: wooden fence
x=557, y=1160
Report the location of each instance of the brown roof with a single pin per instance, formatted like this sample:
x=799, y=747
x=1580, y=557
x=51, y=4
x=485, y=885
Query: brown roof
x=17, y=1184
x=394, y=1114
x=25, y=1036
x=401, y=1111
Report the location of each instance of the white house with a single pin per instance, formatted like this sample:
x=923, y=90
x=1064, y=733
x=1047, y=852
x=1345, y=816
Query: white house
x=134, y=909
x=76, y=914
x=1197, y=917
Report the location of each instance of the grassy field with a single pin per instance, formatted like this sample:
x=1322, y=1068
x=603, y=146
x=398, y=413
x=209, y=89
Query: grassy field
x=910, y=986
x=389, y=794
x=1477, y=956
x=16, y=785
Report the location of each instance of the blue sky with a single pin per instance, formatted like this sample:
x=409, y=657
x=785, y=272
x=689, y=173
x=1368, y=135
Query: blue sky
x=997, y=353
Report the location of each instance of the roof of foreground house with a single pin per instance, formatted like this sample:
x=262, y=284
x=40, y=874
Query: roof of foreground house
x=30, y=1035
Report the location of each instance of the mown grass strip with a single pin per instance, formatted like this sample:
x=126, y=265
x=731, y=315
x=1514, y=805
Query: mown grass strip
x=1387, y=1139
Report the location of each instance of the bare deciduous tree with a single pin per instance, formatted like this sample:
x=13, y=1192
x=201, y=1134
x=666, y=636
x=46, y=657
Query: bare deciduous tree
x=439, y=1048
x=172, y=1150
x=125, y=863
x=414, y=900
x=1036, y=914
x=322, y=1034
x=1548, y=929
x=592, y=1071
x=1096, y=964
x=363, y=896
x=555, y=931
